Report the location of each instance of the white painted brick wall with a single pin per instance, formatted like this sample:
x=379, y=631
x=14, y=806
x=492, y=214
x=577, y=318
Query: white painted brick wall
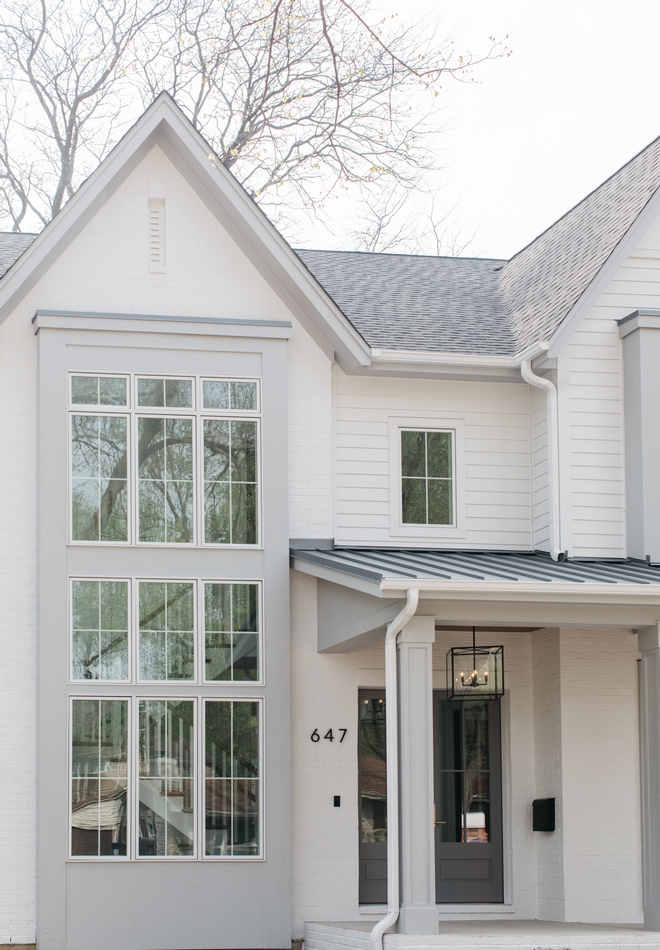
x=17, y=632
x=548, y=770
x=600, y=747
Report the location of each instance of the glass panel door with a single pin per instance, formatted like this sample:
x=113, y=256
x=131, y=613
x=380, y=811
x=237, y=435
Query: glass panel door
x=468, y=813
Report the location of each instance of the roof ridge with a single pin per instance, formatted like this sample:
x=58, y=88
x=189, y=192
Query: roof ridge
x=432, y=257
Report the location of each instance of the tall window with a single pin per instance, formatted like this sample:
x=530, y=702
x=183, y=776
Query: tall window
x=158, y=460
x=153, y=777
x=427, y=477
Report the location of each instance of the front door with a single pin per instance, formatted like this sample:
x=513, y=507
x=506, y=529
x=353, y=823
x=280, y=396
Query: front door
x=468, y=801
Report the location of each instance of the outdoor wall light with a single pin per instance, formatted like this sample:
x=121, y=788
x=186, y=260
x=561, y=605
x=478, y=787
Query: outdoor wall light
x=475, y=672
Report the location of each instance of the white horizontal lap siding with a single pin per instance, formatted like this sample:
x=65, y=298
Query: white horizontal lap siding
x=497, y=457
x=539, y=469
x=596, y=404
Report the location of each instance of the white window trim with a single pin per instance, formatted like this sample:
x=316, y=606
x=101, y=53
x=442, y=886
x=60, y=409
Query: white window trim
x=427, y=421
x=132, y=773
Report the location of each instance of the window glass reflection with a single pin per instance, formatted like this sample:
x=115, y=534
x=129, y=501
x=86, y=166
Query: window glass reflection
x=165, y=480
x=373, y=775
x=99, y=630
x=230, y=481
x=232, y=778
x=99, y=738
x=98, y=470
x=463, y=786
x=166, y=823
x=167, y=631
x=231, y=617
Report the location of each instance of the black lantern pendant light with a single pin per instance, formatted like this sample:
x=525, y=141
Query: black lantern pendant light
x=475, y=672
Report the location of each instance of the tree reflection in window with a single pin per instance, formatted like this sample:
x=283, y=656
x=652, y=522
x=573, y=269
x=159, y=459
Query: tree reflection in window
x=230, y=482
x=165, y=480
x=98, y=471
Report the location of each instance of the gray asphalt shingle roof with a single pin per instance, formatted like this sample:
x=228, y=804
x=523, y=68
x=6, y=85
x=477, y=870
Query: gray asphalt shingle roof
x=409, y=302
x=12, y=245
x=471, y=305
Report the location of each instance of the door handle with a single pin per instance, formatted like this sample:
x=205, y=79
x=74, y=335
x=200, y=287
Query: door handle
x=435, y=815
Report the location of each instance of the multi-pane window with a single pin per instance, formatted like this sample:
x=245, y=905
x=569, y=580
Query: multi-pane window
x=427, y=467
x=231, y=797
x=99, y=776
x=99, y=630
x=165, y=631
x=164, y=460
x=165, y=778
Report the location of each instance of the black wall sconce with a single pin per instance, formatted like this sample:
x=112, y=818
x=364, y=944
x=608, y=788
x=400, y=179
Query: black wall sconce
x=543, y=814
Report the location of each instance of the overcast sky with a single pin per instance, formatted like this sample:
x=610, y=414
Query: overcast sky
x=579, y=96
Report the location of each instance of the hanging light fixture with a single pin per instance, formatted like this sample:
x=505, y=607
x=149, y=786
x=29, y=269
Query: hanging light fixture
x=475, y=672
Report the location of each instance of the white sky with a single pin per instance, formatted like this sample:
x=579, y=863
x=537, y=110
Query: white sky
x=579, y=96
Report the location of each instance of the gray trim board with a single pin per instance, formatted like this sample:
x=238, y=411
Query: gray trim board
x=238, y=321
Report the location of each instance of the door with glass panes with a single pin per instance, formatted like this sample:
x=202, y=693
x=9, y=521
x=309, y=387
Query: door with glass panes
x=468, y=801
x=373, y=796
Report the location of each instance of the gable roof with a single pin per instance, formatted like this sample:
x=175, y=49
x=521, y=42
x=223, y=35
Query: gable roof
x=353, y=301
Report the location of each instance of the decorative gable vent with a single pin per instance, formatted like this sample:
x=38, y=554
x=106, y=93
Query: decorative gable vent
x=157, y=227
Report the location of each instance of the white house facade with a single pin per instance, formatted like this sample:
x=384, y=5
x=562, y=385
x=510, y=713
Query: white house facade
x=330, y=581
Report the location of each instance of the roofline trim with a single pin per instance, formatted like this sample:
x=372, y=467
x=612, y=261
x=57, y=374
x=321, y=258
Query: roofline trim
x=591, y=294
x=433, y=358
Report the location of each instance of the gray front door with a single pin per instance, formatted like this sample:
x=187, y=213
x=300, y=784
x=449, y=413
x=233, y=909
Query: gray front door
x=468, y=801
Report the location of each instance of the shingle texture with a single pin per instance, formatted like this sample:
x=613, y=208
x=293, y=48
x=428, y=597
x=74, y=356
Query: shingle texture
x=407, y=302
x=469, y=305
x=12, y=246
x=544, y=280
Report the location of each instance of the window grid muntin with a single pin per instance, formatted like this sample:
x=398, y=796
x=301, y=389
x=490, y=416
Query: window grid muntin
x=426, y=431
x=98, y=405
x=199, y=701
x=199, y=587
x=165, y=378
x=129, y=607
x=98, y=414
x=258, y=634
x=132, y=412
x=258, y=780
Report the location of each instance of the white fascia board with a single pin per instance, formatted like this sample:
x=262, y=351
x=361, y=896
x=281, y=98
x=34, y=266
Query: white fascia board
x=525, y=591
x=165, y=125
x=429, y=364
x=364, y=585
x=589, y=297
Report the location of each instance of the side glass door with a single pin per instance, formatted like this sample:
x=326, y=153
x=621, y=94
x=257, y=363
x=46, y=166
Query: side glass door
x=372, y=778
x=468, y=801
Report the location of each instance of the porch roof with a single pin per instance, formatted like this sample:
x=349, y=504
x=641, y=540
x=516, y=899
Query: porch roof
x=388, y=567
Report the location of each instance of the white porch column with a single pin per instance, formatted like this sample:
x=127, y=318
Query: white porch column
x=649, y=700
x=418, y=911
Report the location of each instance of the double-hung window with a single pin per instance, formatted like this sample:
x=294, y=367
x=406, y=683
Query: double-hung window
x=165, y=460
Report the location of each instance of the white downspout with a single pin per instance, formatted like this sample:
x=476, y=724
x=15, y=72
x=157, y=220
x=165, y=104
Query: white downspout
x=550, y=390
x=394, y=628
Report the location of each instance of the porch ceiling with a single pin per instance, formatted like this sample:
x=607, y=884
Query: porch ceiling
x=364, y=587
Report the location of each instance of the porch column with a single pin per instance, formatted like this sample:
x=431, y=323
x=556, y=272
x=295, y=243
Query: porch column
x=418, y=911
x=649, y=699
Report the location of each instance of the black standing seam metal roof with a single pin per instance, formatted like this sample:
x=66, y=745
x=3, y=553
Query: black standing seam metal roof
x=474, y=306
x=379, y=564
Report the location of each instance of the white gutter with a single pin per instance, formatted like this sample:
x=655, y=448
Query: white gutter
x=456, y=359
x=394, y=628
x=550, y=391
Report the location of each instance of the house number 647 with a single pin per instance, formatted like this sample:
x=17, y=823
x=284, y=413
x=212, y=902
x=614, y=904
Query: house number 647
x=316, y=737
